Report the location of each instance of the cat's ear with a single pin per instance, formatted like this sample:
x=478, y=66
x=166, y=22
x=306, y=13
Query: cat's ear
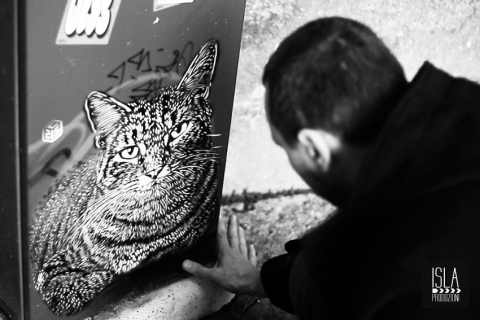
x=198, y=78
x=104, y=113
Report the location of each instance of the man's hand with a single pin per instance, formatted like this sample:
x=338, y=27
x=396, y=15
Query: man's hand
x=235, y=269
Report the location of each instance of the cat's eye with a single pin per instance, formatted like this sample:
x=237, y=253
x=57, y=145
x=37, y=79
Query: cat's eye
x=180, y=129
x=130, y=152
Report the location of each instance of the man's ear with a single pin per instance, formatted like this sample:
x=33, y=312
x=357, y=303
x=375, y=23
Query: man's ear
x=319, y=146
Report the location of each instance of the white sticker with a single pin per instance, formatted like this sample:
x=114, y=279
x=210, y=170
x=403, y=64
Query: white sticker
x=163, y=4
x=160, y=2
x=88, y=21
x=52, y=131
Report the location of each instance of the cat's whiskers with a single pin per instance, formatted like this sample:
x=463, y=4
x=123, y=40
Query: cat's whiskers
x=203, y=159
x=191, y=166
x=203, y=153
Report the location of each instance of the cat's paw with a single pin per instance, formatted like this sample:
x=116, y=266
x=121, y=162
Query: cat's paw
x=67, y=290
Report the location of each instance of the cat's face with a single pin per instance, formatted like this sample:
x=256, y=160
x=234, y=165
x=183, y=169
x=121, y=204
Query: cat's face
x=158, y=143
x=153, y=148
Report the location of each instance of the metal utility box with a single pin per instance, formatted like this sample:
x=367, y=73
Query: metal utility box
x=54, y=54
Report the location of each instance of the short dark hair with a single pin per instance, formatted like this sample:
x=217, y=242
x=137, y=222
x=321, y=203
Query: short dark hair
x=335, y=74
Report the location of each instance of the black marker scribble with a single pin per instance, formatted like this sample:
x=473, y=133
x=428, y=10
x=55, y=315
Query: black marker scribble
x=142, y=63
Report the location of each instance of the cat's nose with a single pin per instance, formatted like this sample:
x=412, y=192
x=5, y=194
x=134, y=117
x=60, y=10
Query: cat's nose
x=158, y=172
x=152, y=173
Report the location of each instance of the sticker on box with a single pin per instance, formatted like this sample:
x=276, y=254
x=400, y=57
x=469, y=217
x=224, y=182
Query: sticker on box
x=52, y=131
x=87, y=22
x=163, y=4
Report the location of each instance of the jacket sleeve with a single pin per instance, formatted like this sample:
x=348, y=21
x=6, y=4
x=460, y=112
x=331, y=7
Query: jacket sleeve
x=275, y=276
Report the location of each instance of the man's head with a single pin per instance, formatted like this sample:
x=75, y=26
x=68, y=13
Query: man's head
x=330, y=87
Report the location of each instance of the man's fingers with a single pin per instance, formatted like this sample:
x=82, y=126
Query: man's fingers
x=197, y=269
x=233, y=232
x=242, y=241
x=252, y=255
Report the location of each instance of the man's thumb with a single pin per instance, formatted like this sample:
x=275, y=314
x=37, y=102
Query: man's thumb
x=195, y=268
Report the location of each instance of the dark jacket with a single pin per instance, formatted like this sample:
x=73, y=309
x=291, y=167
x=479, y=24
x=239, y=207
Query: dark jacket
x=416, y=206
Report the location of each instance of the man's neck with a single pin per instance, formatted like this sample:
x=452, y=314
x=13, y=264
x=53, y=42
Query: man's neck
x=346, y=167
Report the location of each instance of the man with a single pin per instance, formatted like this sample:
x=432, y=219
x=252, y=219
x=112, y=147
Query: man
x=400, y=160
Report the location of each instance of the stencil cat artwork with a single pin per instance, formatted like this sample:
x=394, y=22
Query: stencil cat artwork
x=150, y=191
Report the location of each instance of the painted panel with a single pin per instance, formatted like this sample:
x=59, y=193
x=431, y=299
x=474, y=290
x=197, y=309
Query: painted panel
x=128, y=114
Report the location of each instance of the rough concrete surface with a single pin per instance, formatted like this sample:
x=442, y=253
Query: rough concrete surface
x=444, y=32
x=187, y=299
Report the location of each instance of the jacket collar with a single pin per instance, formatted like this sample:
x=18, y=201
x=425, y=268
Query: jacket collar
x=388, y=164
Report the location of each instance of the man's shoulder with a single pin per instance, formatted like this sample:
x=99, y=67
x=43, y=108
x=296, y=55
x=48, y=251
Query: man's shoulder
x=460, y=87
x=353, y=264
